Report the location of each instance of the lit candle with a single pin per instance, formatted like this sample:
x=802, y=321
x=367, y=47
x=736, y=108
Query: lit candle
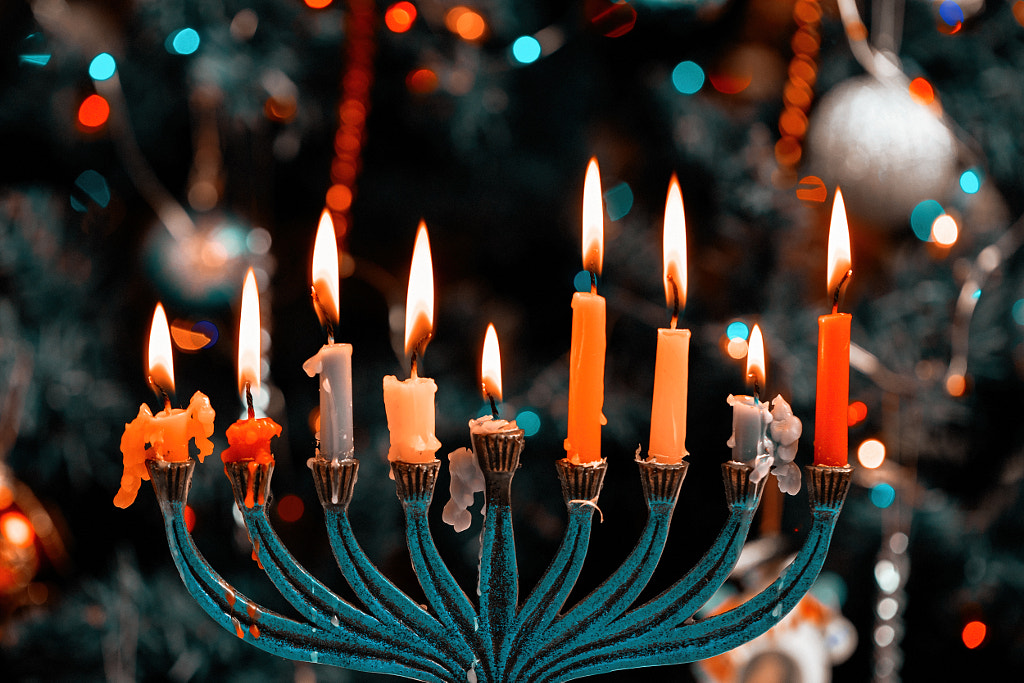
x=332, y=361
x=249, y=439
x=833, y=391
x=490, y=382
x=671, y=362
x=586, y=351
x=163, y=436
x=410, y=403
x=750, y=415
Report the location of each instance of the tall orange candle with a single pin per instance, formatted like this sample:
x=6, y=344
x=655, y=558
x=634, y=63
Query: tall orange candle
x=249, y=439
x=833, y=387
x=163, y=436
x=672, y=360
x=409, y=403
x=587, y=347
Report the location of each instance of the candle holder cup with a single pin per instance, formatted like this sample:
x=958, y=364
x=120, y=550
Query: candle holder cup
x=501, y=637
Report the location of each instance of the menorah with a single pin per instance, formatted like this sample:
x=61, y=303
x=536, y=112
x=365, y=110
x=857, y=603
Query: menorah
x=500, y=639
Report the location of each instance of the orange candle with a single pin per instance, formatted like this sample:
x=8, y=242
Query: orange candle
x=833, y=386
x=671, y=362
x=163, y=436
x=587, y=347
x=410, y=403
x=249, y=439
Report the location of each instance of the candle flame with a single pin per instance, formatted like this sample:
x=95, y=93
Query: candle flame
x=160, y=364
x=419, y=304
x=325, y=272
x=755, y=359
x=839, y=262
x=490, y=366
x=249, y=336
x=674, y=247
x=593, y=220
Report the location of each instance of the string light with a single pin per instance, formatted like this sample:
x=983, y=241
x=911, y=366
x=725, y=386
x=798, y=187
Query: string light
x=400, y=17
x=798, y=93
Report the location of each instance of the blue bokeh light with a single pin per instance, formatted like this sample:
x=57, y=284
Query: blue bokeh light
x=183, y=42
x=102, y=66
x=618, y=201
x=922, y=217
x=528, y=421
x=582, y=281
x=951, y=13
x=208, y=330
x=737, y=330
x=687, y=77
x=970, y=181
x=526, y=49
x=94, y=187
x=883, y=495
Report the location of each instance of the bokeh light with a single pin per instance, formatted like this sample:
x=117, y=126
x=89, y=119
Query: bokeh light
x=339, y=198
x=1018, y=11
x=529, y=422
x=611, y=18
x=855, y=413
x=884, y=635
x=951, y=13
x=945, y=230
x=17, y=530
x=102, y=66
x=973, y=634
x=956, y=385
x=887, y=608
x=737, y=329
x=970, y=181
x=1017, y=311
x=736, y=348
x=581, y=281
x=93, y=112
x=422, y=81
x=812, y=189
x=618, y=201
x=290, y=508
x=465, y=23
x=400, y=17
x=871, y=454
x=317, y=4
x=190, y=518
x=90, y=186
x=922, y=217
x=182, y=42
x=887, y=576
x=921, y=91
x=687, y=77
x=526, y=49
x=883, y=495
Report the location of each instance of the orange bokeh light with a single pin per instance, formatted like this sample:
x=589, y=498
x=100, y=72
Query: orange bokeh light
x=422, y=81
x=317, y=4
x=465, y=23
x=1018, y=11
x=922, y=91
x=290, y=508
x=93, y=112
x=856, y=412
x=788, y=151
x=190, y=518
x=793, y=122
x=974, y=634
x=812, y=189
x=956, y=385
x=339, y=198
x=17, y=530
x=400, y=16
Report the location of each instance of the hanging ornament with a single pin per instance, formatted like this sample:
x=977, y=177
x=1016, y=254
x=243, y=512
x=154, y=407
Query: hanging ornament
x=886, y=149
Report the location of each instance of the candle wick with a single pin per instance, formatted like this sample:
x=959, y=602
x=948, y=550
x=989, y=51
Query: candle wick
x=839, y=289
x=248, y=401
x=412, y=368
x=675, y=302
x=494, y=406
x=757, y=390
x=322, y=314
x=167, y=399
x=593, y=282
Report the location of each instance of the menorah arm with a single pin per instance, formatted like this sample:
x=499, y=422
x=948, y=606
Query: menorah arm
x=263, y=628
x=335, y=482
x=415, y=486
x=574, y=631
x=695, y=641
x=581, y=487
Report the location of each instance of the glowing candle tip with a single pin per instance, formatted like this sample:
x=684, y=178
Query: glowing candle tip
x=593, y=220
x=674, y=250
x=419, y=303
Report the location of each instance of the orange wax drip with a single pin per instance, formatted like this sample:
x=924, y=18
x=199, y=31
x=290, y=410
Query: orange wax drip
x=163, y=436
x=255, y=631
x=230, y=595
x=238, y=628
x=833, y=390
x=249, y=440
x=586, y=378
x=256, y=550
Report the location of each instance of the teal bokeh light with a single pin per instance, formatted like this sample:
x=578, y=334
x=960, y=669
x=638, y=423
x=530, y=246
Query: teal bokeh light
x=737, y=330
x=922, y=217
x=528, y=421
x=1018, y=311
x=687, y=77
x=970, y=181
x=582, y=281
x=526, y=49
x=618, y=201
x=102, y=66
x=183, y=42
x=883, y=495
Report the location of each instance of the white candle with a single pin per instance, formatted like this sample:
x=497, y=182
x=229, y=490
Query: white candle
x=333, y=361
x=750, y=415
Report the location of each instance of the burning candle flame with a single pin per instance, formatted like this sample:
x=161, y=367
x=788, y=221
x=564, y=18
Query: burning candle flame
x=674, y=249
x=325, y=273
x=490, y=366
x=839, y=262
x=161, y=366
x=755, y=360
x=419, y=304
x=249, y=337
x=593, y=220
